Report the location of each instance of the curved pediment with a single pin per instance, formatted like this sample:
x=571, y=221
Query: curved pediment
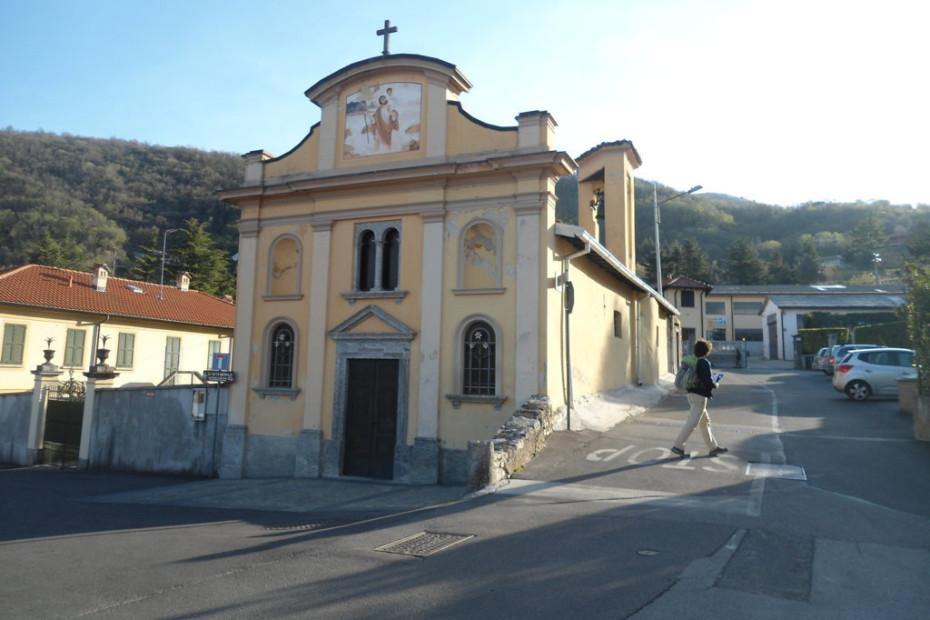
x=392, y=113
x=438, y=70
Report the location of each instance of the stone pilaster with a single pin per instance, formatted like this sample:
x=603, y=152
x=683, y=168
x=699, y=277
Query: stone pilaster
x=46, y=375
x=424, y=461
x=309, y=452
x=99, y=376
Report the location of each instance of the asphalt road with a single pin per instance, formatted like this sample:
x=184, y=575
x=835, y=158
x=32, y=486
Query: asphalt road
x=821, y=509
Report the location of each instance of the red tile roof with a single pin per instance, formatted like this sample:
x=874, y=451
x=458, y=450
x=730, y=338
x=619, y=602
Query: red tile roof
x=37, y=286
x=686, y=282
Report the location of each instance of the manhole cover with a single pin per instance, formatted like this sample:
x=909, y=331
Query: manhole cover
x=425, y=543
x=768, y=470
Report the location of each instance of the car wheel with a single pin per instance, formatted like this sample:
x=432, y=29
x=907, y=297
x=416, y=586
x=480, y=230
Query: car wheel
x=858, y=390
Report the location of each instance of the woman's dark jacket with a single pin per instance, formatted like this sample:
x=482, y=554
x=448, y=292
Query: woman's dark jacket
x=704, y=377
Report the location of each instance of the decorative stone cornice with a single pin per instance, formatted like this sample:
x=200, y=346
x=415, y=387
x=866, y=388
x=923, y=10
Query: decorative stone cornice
x=249, y=228
x=425, y=174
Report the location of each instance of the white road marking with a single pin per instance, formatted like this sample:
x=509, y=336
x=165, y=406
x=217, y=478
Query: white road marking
x=749, y=504
x=574, y=493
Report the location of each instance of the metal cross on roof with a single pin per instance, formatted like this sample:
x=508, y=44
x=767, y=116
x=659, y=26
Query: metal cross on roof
x=386, y=33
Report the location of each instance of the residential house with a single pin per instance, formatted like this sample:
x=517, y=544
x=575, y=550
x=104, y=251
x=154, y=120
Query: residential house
x=404, y=286
x=688, y=294
x=150, y=331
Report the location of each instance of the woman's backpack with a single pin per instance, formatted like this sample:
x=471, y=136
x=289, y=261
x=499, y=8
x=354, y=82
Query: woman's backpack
x=686, y=377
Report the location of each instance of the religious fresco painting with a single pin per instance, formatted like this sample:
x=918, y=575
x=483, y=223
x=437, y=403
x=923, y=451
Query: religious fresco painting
x=382, y=119
x=480, y=252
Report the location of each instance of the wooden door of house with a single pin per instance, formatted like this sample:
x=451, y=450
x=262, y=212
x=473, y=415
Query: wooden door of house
x=371, y=418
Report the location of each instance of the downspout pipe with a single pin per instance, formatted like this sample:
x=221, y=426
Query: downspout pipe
x=638, y=340
x=567, y=303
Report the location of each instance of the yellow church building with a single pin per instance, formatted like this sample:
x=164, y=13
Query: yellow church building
x=404, y=285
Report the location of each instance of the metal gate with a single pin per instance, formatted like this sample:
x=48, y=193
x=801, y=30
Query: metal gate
x=64, y=417
x=773, y=337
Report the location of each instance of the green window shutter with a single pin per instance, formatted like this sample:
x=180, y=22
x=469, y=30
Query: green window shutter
x=14, y=342
x=74, y=348
x=125, y=350
x=172, y=354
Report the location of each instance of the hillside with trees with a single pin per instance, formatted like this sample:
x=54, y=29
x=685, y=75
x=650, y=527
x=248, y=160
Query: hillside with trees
x=73, y=202
x=722, y=239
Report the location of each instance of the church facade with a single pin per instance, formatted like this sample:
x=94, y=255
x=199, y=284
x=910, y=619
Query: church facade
x=404, y=285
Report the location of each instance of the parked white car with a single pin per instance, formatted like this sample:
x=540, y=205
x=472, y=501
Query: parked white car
x=873, y=372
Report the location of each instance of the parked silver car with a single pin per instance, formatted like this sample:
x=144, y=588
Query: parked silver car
x=840, y=350
x=873, y=372
x=822, y=360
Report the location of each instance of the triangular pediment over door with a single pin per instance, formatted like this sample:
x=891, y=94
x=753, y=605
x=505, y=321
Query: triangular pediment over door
x=372, y=323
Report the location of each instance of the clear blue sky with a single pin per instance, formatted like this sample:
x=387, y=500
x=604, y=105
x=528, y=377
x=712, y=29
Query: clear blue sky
x=783, y=101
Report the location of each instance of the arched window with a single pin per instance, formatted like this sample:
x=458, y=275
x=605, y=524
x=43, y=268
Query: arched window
x=390, y=261
x=281, y=370
x=480, y=359
x=367, y=254
x=377, y=260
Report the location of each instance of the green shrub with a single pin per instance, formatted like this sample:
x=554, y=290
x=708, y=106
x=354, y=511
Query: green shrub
x=888, y=334
x=918, y=319
x=812, y=340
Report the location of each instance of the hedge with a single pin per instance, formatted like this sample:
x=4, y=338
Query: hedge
x=892, y=334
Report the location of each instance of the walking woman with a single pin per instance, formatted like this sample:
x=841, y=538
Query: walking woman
x=697, y=399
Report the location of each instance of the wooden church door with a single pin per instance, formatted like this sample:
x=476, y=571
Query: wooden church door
x=371, y=418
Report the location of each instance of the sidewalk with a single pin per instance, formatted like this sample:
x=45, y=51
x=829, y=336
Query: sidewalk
x=317, y=495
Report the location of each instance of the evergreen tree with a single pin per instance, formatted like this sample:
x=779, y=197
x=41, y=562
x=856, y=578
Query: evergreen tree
x=147, y=267
x=685, y=259
x=744, y=265
x=207, y=265
x=566, y=190
x=917, y=314
x=51, y=253
x=673, y=263
x=695, y=262
x=780, y=271
x=807, y=262
x=919, y=245
x=646, y=260
x=868, y=239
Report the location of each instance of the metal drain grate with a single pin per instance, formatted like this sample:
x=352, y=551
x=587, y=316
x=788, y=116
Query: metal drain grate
x=309, y=525
x=425, y=543
x=768, y=470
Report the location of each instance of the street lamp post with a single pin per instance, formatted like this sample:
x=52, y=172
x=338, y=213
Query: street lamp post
x=164, y=248
x=656, y=204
